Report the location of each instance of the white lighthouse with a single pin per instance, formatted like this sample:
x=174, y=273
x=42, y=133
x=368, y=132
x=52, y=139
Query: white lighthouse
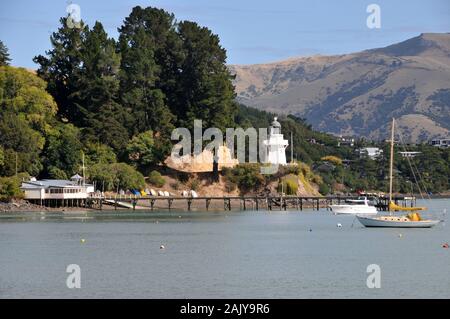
x=276, y=145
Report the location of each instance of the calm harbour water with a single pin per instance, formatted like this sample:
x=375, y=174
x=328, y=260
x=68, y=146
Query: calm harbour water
x=219, y=255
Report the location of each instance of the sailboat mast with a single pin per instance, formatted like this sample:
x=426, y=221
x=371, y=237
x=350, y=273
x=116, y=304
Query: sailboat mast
x=391, y=166
x=292, y=149
x=83, y=168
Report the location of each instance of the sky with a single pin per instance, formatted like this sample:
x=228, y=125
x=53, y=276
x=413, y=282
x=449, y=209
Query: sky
x=252, y=31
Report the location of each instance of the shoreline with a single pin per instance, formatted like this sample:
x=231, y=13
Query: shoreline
x=23, y=206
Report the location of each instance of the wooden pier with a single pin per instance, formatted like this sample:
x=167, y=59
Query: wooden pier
x=228, y=203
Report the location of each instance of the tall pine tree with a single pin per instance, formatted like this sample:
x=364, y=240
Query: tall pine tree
x=205, y=84
x=141, y=44
x=98, y=88
x=82, y=71
x=4, y=55
x=60, y=67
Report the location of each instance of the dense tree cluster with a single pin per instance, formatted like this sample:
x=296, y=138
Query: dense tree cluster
x=159, y=74
x=26, y=117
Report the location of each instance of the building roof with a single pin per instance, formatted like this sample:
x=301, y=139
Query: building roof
x=49, y=183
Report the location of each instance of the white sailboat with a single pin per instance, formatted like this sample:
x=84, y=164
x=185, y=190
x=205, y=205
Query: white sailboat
x=411, y=220
x=354, y=207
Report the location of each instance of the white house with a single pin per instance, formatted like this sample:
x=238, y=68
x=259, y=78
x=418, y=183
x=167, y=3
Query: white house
x=57, y=192
x=441, y=142
x=346, y=140
x=276, y=145
x=371, y=152
x=409, y=154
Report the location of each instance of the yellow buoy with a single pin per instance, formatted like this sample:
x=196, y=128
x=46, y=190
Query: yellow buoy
x=83, y=240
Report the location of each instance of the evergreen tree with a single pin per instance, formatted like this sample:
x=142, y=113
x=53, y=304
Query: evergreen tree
x=61, y=67
x=141, y=44
x=63, y=150
x=82, y=71
x=205, y=85
x=98, y=88
x=4, y=55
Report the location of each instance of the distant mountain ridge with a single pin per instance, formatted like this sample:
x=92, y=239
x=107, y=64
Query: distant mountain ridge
x=357, y=94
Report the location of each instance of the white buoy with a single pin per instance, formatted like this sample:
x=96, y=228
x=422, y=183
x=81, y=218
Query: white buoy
x=339, y=225
x=82, y=240
x=162, y=247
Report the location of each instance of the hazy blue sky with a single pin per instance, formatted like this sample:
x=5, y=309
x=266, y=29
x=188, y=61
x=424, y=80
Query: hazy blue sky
x=252, y=31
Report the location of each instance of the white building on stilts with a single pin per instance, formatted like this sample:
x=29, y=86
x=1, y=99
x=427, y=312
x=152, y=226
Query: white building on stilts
x=56, y=192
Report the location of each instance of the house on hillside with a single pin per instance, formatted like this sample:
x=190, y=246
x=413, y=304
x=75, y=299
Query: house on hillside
x=370, y=152
x=440, y=142
x=408, y=154
x=346, y=140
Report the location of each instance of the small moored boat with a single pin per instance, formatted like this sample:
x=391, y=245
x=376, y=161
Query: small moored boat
x=396, y=221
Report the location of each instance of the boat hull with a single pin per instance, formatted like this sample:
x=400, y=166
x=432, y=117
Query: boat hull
x=377, y=222
x=353, y=210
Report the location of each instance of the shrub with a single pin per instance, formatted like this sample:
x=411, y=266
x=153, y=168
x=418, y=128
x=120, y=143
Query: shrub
x=194, y=184
x=305, y=170
x=175, y=185
x=10, y=188
x=333, y=159
x=288, y=186
x=230, y=186
x=246, y=176
x=324, y=189
x=156, y=179
x=317, y=179
x=291, y=169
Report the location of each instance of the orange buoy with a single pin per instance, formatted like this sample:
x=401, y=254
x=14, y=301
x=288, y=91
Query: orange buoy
x=445, y=245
